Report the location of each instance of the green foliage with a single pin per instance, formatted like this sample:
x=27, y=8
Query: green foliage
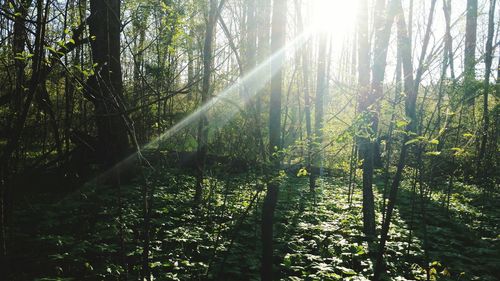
x=319, y=237
x=302, y=172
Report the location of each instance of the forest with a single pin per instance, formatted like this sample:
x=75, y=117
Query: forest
x=249, y=140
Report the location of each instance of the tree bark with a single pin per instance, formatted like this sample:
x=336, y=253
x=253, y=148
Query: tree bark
x=205, y=96
x=321, y=90
x=305, y=56
x=278, y=37
x=411, y=89
x=410, y=111
x=106, y=86
x=481, y=161
x=263, y=12
x=470, y=52
x=364, y=142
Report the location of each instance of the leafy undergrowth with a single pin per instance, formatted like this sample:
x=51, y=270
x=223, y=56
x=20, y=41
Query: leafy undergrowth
x=464, y=241
x=322, y=236
x=318, y=237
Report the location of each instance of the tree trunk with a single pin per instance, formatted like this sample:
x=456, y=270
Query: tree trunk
x=263, y=12
x=481, y=161
x=321, y=89
x=205, y=96
x=410, y=111
x=250, y=63
x=106, y=86
x=470, y=51
x=364, y=143
x=411, y=89
x=278, y=38
x=15, y=107
x=305, y=57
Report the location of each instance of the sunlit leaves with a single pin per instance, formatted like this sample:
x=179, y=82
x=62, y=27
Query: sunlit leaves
x=23, y=56
x=434, y=141
x=402, y=123
x=302, y=172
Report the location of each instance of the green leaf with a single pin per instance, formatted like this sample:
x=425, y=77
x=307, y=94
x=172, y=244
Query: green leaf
x=412, y=141
x=51, y=49
x=434, y=141
x=302, y=172
x=401, y=123
x=347, y=271
x=287, y=260
x=89, y=266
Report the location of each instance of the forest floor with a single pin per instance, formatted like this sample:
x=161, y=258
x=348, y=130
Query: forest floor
x=317, y=236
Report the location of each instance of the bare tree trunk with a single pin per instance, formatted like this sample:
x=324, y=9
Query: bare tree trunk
x=470, y=52
x=106, y=89
x=263, y=12
x=411, y=90
x=139, y=31
x=7, y=165
x=250, y=63
x=321, y=90
x=389, y=140
x=481, y=161
x=278, y=38
x=411, y=98
x=106, y=85
x=21, y=114
x=305, y=55
x=369, y=107
x=364, y=143
x=205, y=96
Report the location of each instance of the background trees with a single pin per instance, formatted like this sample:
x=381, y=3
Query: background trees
x=226, y=99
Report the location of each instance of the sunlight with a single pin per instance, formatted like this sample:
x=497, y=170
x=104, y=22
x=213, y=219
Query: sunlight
x=230, y=99
x=228, y=102
x=337, y=17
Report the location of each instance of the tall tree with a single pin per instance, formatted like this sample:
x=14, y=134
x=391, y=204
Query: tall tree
x=106, y=85
x=278, y=37
x=7, y=166
x=363, y=106
x=205, y=95
x=369, y=108
x=470, y=51
x=321, y=89
x=411, y=88
x=481, y=163
x=410, y=111
x=305, y=62
x=263, y=13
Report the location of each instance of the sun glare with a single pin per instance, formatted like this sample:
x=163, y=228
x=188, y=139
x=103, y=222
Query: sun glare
x=337, y=17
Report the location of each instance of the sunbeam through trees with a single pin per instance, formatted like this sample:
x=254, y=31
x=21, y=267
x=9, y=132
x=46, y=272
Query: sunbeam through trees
x=249, y=140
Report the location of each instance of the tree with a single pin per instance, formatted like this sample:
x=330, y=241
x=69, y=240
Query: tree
x=366, y=152
x=278, y=36
x=470, y=52
x=20, y=109
x=411, y=88
x=321, y=89
x=105, y=86
x=481, y=162
x=205, y=95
